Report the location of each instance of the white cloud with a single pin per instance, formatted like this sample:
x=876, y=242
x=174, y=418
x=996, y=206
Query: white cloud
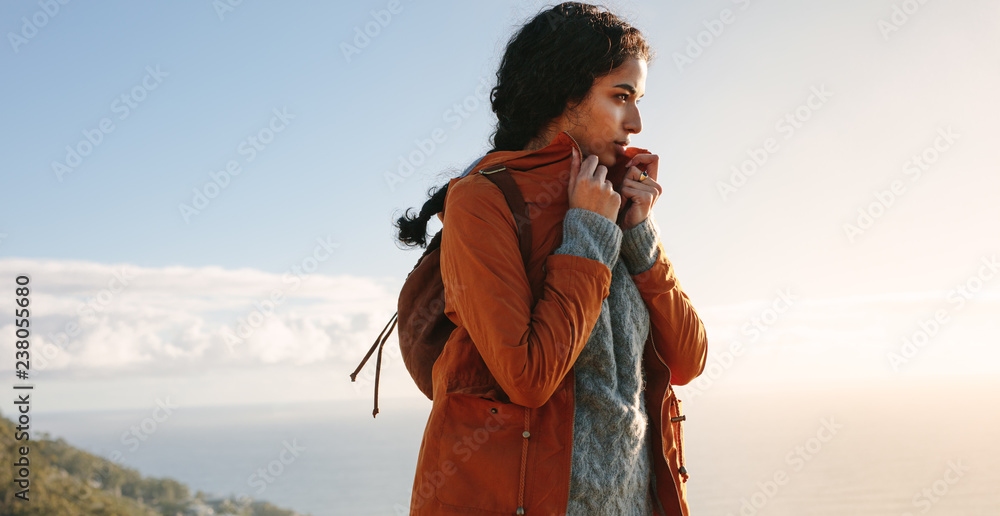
x=99, y=344
x=91, y=320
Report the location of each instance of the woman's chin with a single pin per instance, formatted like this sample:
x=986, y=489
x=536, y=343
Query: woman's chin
x=608, y=160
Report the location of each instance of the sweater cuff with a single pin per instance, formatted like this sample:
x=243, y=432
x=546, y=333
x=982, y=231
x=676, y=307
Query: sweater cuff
x=590, y=235
x=639, y=246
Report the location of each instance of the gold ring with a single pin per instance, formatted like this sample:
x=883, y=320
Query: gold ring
x=643, y=176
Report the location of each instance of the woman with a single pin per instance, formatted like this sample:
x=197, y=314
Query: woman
x=541, y=392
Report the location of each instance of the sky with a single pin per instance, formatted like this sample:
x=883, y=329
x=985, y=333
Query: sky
x=175, y=173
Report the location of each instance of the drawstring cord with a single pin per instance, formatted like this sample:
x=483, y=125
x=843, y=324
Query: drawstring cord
x=379, y=343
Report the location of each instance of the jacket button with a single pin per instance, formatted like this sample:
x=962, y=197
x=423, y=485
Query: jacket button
x=493, y=410
x=520, y=510
x=526, y=435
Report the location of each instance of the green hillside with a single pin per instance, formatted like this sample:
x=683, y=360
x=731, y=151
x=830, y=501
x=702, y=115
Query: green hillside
x=66, y=481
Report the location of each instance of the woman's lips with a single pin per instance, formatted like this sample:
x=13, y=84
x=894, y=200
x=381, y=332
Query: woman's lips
x=620, y=149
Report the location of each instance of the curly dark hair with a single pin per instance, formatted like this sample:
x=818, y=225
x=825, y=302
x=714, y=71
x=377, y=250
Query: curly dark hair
x=549, y=63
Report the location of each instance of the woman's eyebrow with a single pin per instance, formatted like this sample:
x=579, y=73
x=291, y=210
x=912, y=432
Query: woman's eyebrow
x=628, y=88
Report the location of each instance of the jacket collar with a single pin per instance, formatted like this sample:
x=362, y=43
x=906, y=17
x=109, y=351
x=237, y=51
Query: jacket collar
x=540, y=172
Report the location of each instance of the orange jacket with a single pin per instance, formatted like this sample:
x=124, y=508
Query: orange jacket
x=498, y=439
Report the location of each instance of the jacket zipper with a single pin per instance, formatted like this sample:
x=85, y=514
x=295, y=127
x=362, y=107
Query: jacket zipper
x=524, y=449
x=524, y=461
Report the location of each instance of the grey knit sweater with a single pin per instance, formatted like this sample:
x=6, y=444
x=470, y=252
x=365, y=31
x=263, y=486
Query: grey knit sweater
x=610, y=470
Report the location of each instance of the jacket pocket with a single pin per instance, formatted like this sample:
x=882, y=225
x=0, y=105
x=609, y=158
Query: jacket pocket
x=480, y=453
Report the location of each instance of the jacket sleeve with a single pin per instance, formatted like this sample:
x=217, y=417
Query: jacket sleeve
x=529, y=352
x=677, y=331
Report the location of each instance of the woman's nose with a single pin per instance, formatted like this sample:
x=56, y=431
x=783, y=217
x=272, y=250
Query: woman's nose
x=633, y=123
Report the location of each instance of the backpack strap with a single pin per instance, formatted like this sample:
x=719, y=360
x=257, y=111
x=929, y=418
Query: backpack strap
x=501, y=177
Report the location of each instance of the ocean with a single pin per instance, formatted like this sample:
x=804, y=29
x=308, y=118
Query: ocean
x=924, y=446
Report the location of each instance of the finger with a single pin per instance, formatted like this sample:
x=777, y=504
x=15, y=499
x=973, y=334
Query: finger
x=646, y=186
x=652, y=162
x=644, y=158
x=639, y=195
x=653, y=168
x=600, y=174
x=588, y=166
x=635, y=173
x=574, y=169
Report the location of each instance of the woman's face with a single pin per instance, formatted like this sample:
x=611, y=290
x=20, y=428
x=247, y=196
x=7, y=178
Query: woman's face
x=603, y=122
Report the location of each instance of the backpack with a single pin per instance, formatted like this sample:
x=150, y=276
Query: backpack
x=423, y=327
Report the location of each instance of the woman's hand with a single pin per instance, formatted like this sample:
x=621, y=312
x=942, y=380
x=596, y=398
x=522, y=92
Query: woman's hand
x=589, y=189
x=642, y=193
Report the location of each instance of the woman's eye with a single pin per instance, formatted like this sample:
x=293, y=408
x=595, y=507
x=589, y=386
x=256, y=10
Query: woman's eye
x=624, y=97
